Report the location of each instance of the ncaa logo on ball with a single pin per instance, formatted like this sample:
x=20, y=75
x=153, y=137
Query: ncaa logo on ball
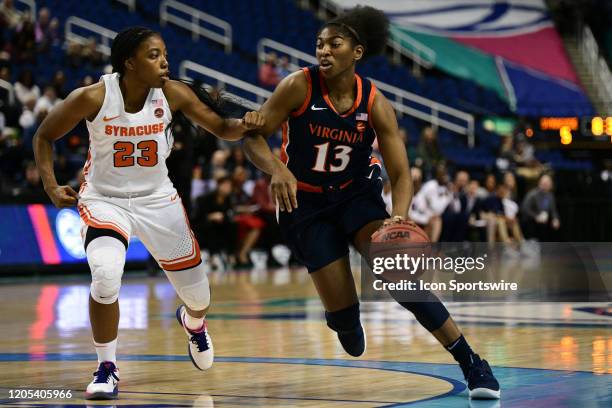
x=159, y=112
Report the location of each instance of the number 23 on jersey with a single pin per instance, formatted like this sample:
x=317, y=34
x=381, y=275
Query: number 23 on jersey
x=124, y=153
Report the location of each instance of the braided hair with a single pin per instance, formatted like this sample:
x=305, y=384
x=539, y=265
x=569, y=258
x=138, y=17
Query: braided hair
x=124, y=47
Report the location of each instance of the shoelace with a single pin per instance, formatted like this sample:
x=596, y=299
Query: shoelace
x=479, y=369
x=102, y=376
x=199, y=339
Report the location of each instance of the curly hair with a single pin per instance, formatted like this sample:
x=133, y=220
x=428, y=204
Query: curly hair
x=366, y=26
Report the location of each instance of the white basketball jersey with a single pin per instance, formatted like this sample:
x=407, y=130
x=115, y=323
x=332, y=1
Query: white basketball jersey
x=128, y=151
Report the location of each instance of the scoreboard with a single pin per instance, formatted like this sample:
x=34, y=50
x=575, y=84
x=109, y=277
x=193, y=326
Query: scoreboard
x=596, y=128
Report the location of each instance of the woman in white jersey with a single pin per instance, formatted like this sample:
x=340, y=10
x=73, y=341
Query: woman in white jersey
x=127, y=190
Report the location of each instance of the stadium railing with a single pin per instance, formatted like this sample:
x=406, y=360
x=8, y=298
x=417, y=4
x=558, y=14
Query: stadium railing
x=219, y=80
x=193, y=24
x=421, y=108
x=106, y=35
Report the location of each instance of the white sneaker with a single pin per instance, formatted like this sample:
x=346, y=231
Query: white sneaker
x=104, y=385
x=200, y=345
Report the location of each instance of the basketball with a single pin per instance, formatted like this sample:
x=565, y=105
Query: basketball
x=400, y=232
x=400, y=240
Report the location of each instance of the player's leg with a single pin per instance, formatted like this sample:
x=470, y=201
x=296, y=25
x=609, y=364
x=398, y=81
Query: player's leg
x=336, y=287
x=106, y=251
x=163, y=227
x=434, y=316
x=321, y=245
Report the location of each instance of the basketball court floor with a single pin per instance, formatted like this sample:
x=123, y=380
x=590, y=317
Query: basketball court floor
x=273, y=349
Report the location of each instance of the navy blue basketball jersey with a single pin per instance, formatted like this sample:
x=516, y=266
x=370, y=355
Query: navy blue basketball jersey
x=323, y=147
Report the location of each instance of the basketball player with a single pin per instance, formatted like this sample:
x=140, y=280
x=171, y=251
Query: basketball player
x=127, y=191
x=328, y=187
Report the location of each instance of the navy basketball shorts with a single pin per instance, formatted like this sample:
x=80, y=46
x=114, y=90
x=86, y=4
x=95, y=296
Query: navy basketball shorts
x=320, y=229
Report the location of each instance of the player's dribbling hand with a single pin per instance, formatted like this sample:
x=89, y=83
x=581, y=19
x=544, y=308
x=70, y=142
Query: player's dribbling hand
x=398, y=219
x=63, y=196
x=253, y=120
x=284, y=189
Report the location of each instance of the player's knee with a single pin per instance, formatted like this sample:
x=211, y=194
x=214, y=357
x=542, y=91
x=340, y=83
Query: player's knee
x=192, y=287
x=106, y=263
x=343, y=320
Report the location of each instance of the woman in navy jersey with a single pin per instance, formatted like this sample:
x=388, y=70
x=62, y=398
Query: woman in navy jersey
x=328, y=187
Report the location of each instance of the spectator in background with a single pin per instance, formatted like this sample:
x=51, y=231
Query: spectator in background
x=266, y=210
x=74, y=51
x=26, y=88
x=249, y=224
x=42, y=30
x=45, y=103
x=510, y=182
x=283, y=67
x=59, y=84
x=213, y=223
x=539, y=211
x=91, y=55
x=10, y=17
x=511, y=231
x=6, y=100
x=86, y=81
x=24, y=40
x=181, y=161
x=31, y=190
x=433, y=199
x=428, y=151
x=28, y=122
x=268, y=75
x=456, y=215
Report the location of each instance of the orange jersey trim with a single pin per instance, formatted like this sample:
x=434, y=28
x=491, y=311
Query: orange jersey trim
x=91, y=221
x=304, y=106
x=371, y=102
x=283, y=155
x=331, y=105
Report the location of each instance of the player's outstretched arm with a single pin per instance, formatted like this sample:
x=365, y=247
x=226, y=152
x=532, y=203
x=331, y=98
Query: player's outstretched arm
x=394, y=154
x=182, y=98
x=81, y=104
x=287, y=97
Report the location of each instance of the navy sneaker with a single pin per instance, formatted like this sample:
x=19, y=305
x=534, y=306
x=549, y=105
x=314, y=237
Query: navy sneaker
x=200, y=347
x=104, y=385
x=353, y=341
x=482, y=384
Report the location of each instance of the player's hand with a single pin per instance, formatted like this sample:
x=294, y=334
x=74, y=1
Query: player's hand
x=63, y=196
x=284, y=189
x=397, y=219
x=253, y=120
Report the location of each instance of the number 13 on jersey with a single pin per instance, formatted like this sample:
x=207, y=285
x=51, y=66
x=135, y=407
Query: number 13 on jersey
x=341, y=158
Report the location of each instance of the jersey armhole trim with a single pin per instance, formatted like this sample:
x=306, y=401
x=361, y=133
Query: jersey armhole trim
x=371, y=98
x=302, y=108
x=103, y=104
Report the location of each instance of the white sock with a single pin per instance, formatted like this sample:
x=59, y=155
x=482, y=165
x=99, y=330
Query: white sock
x=106, y=351
x=193, y=323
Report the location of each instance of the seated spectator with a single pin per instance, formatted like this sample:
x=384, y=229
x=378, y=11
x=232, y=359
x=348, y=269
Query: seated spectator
x=26, y=88
x=510, y=182
x=266, y=211
x=59, y=84
x=31, y=190
x=539, y=212
x=28, y=121
x=268, y=76
x=42, y=30
x=511, y=229
x=10, y=17
x=24, y=40
x=91, y=55
x=455, y=217
x=249, y=223
x=410, y=151
x=283, y=67
x=428, y=151
x=213, y=222
x=45, y=103
x=430, y=202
